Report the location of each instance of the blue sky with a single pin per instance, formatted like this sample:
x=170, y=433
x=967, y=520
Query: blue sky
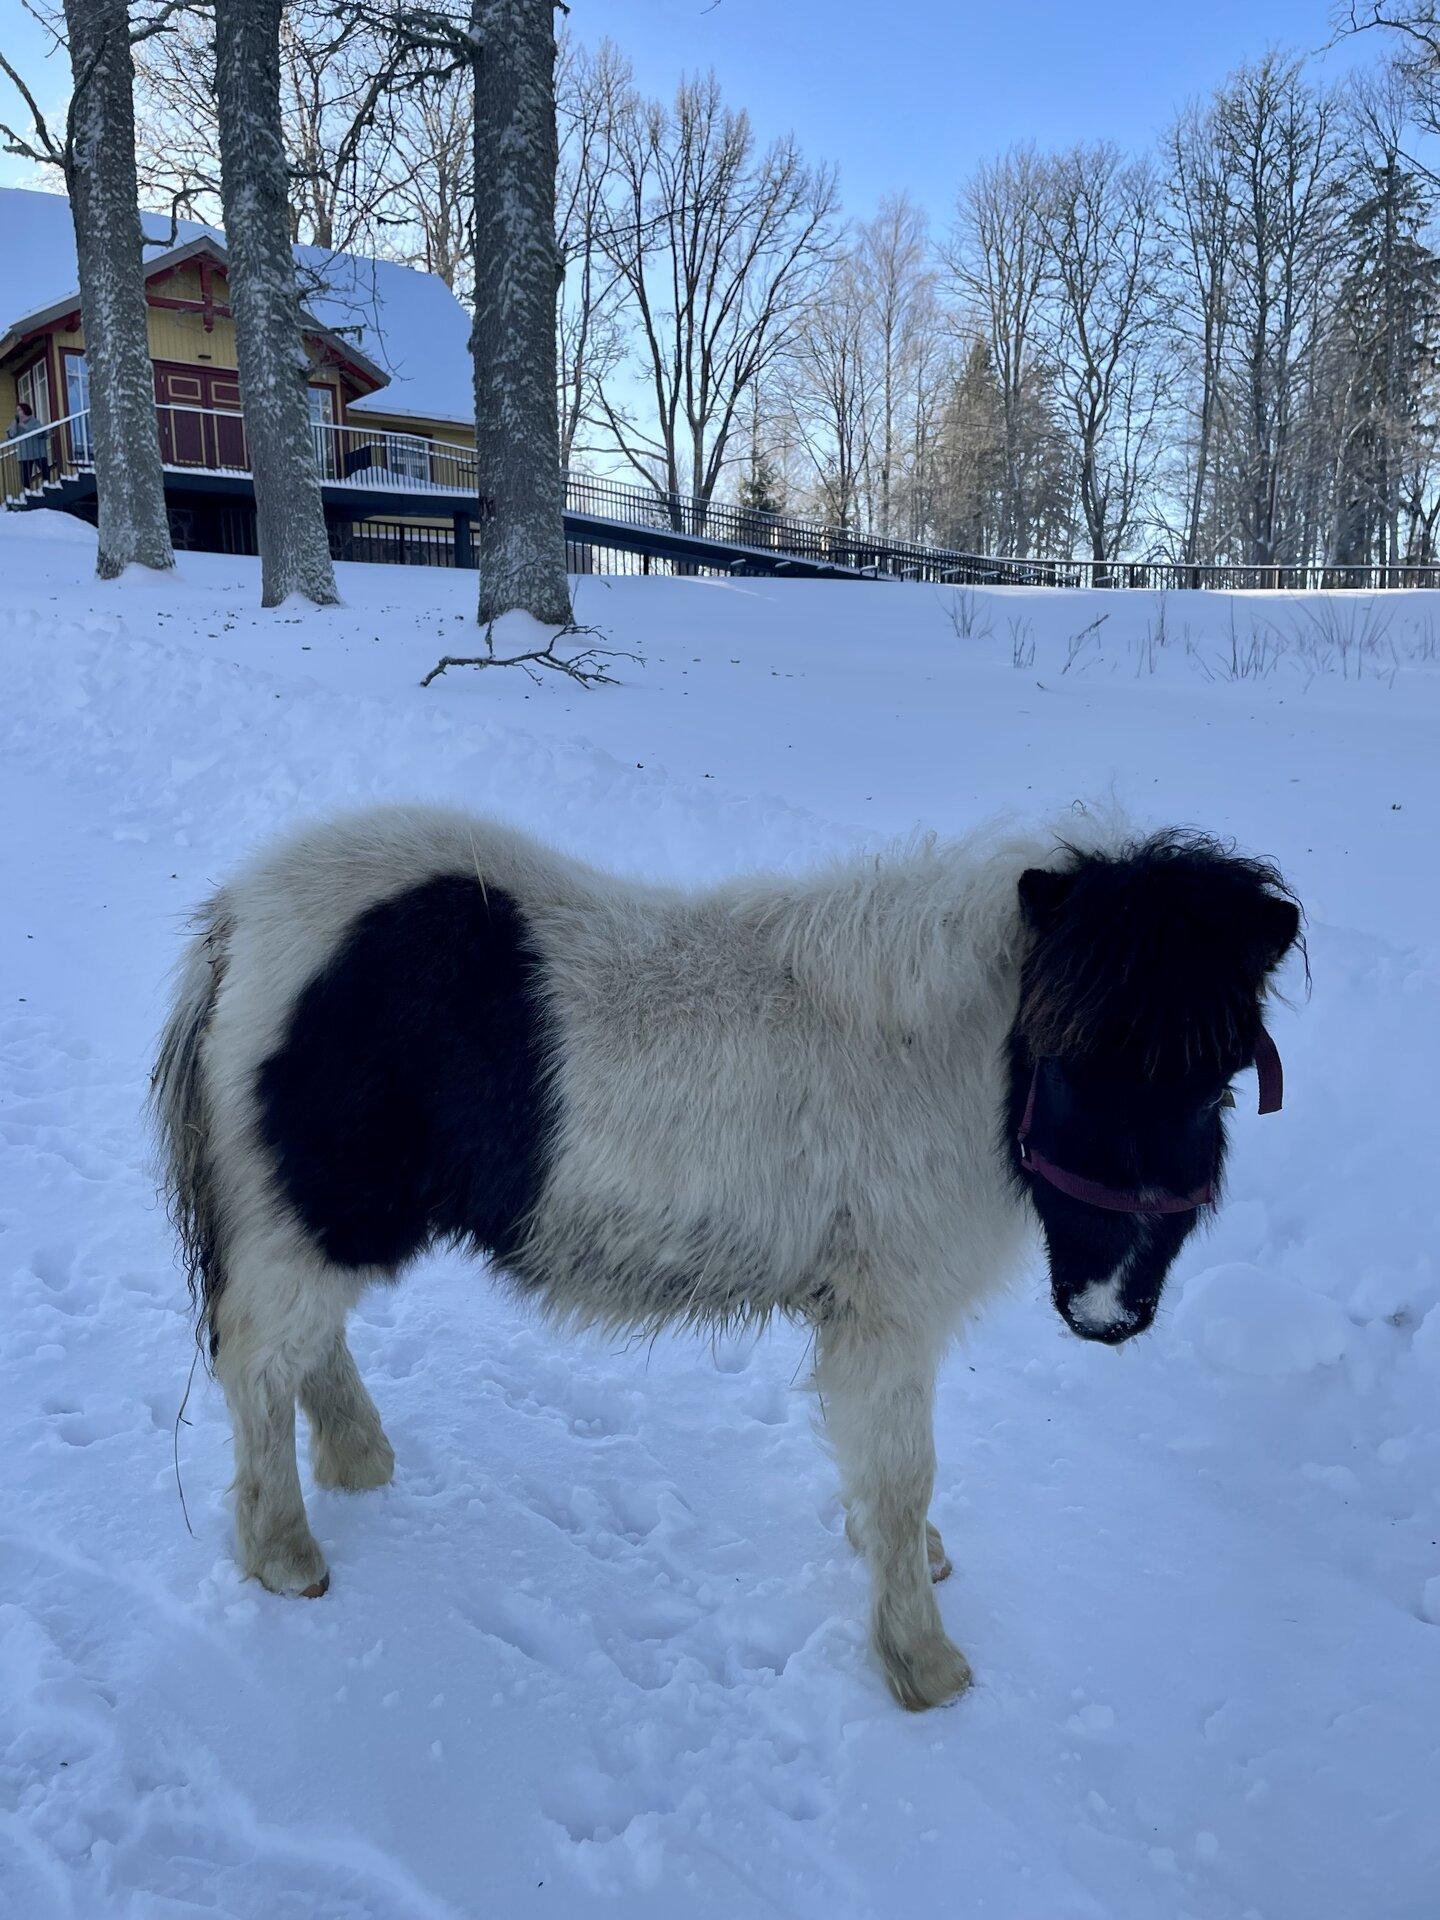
x=912, y=93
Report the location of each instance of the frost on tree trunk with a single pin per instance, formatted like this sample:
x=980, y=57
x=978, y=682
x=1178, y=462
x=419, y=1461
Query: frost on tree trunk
x=104, y=203
x=290, y=518
x=520, y=536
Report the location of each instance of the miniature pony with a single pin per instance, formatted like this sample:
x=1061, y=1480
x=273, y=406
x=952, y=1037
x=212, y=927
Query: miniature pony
x=847, y=1098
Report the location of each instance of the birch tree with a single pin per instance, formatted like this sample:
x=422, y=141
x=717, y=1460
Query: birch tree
x=97, y=156
x=274, y=375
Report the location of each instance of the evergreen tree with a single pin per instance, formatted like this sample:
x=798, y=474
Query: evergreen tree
x=1383, y=357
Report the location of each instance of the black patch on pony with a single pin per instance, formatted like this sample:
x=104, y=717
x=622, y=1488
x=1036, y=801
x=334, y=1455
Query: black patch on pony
x=1140, y=996
x=407, y=1103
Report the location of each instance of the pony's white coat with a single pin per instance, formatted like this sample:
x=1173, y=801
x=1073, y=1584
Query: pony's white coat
x=777, y=1095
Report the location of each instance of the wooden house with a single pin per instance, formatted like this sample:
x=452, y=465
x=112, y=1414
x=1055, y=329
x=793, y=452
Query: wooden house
x=390, y=387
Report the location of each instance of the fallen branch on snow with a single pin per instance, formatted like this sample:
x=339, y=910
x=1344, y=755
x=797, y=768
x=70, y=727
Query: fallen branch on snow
x=587, y=666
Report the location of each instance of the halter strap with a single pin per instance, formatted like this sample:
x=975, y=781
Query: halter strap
x=1096, y=1193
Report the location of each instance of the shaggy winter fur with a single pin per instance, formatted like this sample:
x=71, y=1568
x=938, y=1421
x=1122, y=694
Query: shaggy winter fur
x=777, y=1096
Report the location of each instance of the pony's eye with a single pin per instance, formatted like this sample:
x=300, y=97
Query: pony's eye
x=1226, y=1099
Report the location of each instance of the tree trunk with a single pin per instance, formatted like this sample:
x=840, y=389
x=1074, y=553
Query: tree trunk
x=521, y=532
x=274, y=376
x=104, y=204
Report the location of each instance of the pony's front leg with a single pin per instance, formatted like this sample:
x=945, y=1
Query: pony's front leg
x=877, y=1390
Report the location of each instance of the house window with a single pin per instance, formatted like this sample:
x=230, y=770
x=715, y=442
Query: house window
x=33, y=387
x=77, y=401
x=322, y=417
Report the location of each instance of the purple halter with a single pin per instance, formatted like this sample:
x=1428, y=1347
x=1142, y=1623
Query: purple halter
x=1094, y=1193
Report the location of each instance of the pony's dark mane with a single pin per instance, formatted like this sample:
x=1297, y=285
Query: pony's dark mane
x=1155, y=953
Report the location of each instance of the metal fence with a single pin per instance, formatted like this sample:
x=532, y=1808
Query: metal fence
x=785, y=536
x=765, y=535
x=746, y=539
x=394, y=544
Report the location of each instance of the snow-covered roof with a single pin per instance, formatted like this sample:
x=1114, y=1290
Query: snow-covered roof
x=407, y=323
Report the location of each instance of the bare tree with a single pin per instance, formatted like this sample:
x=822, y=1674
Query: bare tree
x=593, y=96
x=1281, y=148
x=718, y=248
x=826, y=379
x=997, y=261
x=290, y=515
x=898, y=280
x=97, y=157
x=1200, y=221
x=425, y=214
x=341, y=99
x=1101, y=273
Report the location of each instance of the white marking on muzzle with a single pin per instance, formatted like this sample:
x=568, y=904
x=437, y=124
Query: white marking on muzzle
x=1098, y=1307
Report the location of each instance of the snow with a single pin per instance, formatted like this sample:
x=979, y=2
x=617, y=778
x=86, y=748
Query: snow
x=407, y=322
x=600, y=1649
x=1240, y=1316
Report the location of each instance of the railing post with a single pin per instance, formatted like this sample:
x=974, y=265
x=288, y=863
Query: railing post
x=464, y=540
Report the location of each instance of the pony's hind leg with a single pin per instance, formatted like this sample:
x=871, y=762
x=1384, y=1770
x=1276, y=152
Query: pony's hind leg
x=348, y=1447
x=876, y=1389
x=274, y=1322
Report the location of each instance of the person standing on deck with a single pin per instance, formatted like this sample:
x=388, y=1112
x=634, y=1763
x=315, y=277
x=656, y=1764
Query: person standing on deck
x=29, y=439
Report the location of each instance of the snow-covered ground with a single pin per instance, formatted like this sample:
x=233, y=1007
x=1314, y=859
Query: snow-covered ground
x=600, y=1648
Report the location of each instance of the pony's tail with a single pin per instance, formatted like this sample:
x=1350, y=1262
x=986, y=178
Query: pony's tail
x=180, y=1111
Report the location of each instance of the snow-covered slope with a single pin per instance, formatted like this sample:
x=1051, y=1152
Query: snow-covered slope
x=600, y=1648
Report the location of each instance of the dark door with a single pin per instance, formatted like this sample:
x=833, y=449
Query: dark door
x=228, y=426
x=180, y=396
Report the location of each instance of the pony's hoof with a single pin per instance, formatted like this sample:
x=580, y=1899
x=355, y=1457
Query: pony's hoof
x=928, y=1675
x=295, y=1569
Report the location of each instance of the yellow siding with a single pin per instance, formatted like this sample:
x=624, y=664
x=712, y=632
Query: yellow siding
x=180, y=337
x=395, y=423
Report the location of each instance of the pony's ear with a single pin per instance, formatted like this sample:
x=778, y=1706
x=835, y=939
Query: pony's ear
x=1042, y=895
x=1279, y=925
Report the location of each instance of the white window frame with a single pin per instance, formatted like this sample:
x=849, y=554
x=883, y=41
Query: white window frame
x=77, y=374
x=36, y=391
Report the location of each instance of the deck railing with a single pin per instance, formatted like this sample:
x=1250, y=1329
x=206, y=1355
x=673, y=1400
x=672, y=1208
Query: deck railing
x=213, y=440
x=50, y=450
x=357, y=458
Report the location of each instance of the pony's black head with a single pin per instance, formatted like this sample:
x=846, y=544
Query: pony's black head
x=1140, y=997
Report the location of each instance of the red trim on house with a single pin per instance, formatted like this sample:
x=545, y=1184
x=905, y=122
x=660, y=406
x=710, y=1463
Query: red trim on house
x=208, y=308
x=67, y=323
